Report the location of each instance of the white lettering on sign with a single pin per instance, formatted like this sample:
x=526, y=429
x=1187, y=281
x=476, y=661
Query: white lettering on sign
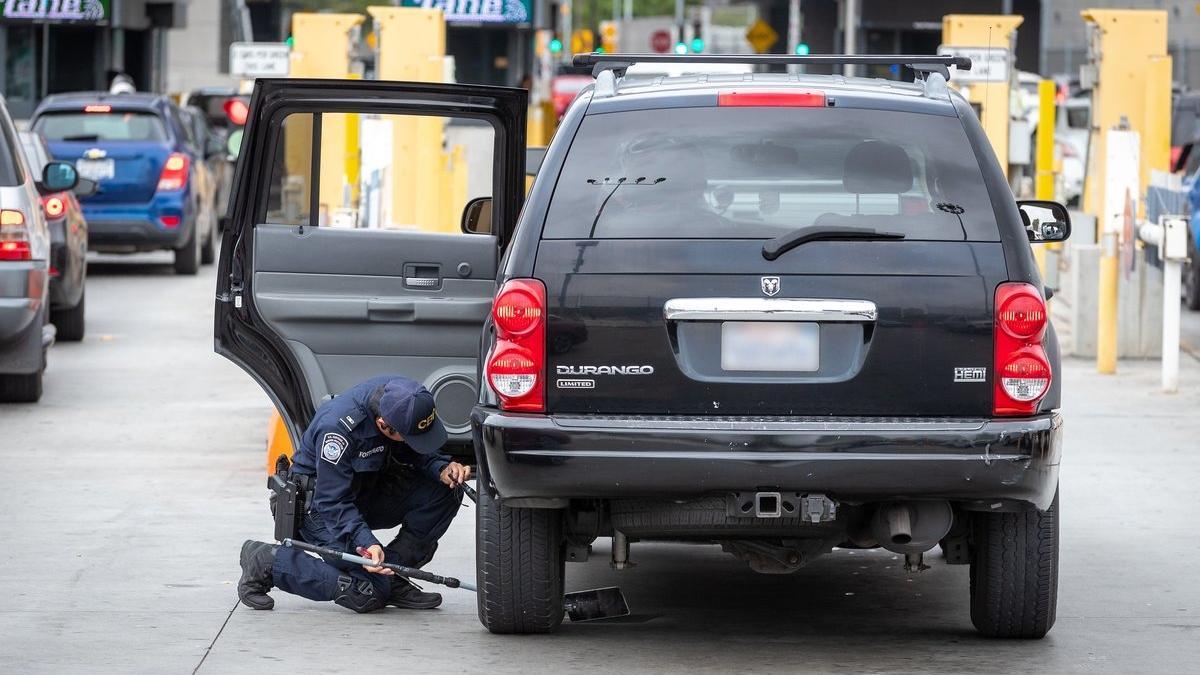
x=259, y=59
x=988, y=64
x=59, y=10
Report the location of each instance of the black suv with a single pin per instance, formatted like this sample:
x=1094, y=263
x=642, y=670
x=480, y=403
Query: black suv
x=779, y=313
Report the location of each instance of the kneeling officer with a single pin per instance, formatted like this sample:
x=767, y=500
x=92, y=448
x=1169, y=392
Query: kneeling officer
x=371, y=458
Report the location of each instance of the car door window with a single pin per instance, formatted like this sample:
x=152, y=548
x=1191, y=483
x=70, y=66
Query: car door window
x=402, y=173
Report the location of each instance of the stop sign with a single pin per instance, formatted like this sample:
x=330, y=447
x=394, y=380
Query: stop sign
x=660, y=41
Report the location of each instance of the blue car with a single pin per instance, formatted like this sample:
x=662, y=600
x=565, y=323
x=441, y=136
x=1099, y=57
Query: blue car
x=155, y=190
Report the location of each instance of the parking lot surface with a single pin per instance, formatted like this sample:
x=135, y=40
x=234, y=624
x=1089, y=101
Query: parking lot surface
x=127, y=491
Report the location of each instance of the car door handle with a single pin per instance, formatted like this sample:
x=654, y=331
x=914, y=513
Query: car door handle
x=433, y=310
x=422, y=282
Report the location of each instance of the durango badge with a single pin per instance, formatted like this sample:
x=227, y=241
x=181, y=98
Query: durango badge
x=770, y=286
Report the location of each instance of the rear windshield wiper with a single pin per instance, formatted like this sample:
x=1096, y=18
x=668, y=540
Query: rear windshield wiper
x=773, y=248
x=82, y=137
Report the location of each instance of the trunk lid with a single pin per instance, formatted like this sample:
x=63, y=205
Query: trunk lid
x=612, y=349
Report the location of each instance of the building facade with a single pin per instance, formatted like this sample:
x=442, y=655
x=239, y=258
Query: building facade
x=52, y=46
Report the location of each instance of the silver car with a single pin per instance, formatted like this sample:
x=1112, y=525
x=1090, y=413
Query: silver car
x=25, y=332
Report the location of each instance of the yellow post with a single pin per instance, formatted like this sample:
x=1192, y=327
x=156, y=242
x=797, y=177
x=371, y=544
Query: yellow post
x=412, y=48
x=981, y=31
x=1044, y=183
x=322, y=49
x=1106, y=327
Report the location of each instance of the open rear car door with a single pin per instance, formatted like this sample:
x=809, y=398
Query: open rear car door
x=345, y=258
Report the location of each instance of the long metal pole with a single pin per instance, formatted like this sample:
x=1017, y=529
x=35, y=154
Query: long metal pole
x=849, y=33
x=678, y=22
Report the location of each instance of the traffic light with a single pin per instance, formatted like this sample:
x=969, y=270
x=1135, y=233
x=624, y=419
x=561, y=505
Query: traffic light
x=681, y=48
x=291, y=41
x=802, y=49
x=555, y=45
x=697, y=38
x=583, y=40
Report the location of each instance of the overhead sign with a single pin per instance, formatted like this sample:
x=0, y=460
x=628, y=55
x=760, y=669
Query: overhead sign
x=92, y=11
x=478, y=11
x=988, y=64
x=761, y=36
x=259, y=59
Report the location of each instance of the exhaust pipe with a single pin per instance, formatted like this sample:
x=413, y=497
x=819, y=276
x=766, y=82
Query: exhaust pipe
x=898, y=520
x=912, y=527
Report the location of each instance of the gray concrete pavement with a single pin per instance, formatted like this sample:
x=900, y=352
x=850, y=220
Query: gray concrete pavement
x=126, y=492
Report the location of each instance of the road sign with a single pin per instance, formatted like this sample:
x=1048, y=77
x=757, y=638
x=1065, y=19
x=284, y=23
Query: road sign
x=660, y=41
x=988, y=64
x=761, y=36
x=259, y=59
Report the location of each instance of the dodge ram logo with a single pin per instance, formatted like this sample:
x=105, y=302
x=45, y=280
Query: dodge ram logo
x=770, y=286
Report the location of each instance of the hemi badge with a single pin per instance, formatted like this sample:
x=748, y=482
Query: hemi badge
x=970, y=374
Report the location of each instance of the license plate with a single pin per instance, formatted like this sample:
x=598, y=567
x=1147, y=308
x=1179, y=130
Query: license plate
x=95, y=169
x=770, y=346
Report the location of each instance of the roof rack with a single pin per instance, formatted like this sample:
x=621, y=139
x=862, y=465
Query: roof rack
x=922, y=64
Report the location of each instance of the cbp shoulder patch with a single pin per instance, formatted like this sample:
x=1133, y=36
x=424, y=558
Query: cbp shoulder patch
x=332, y=447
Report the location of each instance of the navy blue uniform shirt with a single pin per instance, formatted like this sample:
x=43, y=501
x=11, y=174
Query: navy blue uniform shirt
x=342, y=447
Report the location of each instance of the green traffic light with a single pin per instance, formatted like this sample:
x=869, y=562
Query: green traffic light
x=555, y=46
x=802, y=49
x=697, y=45
x=291, y=41
x=599, y=50
x=681, y=48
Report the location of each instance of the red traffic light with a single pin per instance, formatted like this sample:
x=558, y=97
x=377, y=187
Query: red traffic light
x=237, y=111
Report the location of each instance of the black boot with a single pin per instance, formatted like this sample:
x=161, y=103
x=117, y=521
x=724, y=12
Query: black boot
x=258, y=560
x=406, y=595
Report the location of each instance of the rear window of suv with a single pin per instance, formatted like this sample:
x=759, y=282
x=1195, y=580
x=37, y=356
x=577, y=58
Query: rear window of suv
x=92, y=127
x=757, y=173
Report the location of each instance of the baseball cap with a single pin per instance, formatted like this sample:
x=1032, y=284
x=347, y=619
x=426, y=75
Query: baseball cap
x=407, y=407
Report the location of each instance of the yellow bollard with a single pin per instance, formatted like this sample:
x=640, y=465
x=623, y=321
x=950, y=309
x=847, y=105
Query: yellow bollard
x=1044, y=183
x=1106, y=330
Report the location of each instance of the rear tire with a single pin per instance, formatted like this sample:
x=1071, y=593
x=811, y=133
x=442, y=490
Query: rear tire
x=1014, y=573
x=187, y=258
x=519, y=565
x=69, y=322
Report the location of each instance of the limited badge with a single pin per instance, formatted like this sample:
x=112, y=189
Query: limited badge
x=332, y=447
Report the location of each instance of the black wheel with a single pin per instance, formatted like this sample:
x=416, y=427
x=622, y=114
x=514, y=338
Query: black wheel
x=208, y=252
x=69, y=322
x=519, y=565
x=1191, y=277
x=187, y=257
x=1014, y=572
x=21, y=388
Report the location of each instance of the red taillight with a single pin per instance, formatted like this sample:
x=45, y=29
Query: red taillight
x=516, y=365
x=174, y=172
x=1022, y=371
x=771, y=99
x=169, y=222
x=54, y=206
x=236, y=110
x=14, y=236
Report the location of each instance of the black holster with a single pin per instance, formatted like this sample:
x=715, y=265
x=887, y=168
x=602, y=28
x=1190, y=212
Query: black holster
x=289, y=502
